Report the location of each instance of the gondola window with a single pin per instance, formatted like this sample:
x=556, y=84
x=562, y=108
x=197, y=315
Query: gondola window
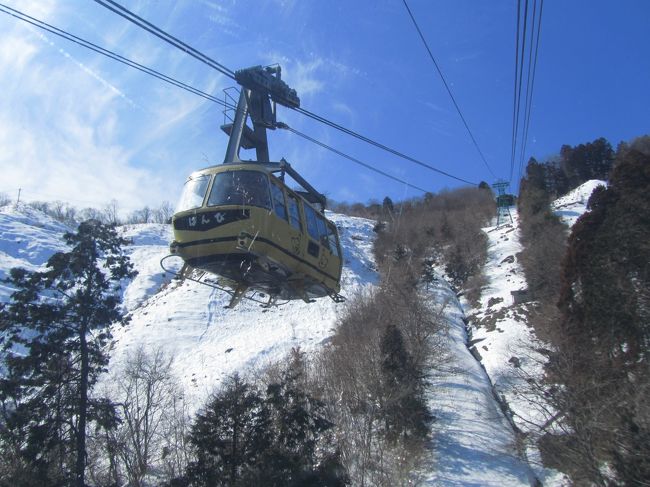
x=278, y=201
x=193, y=193
x=331, y=236
x=294, y=212
x=322, y=232
x=312, y=223
x=249, y=188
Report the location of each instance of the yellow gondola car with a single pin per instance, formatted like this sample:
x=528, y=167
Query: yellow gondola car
x=241, y=222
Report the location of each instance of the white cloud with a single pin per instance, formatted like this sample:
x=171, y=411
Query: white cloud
x=344, y=109
x=15, y=53
x=312, y=75
x=70, y=164
x=58, y=121
x=219, y=15
x=41, y=9
x=435, y=107
x=305, y=76
x=77, y=127
x=92, y=73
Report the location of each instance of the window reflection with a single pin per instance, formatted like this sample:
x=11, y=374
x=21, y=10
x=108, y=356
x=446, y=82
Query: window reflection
x=193, y=193
x=250, y=188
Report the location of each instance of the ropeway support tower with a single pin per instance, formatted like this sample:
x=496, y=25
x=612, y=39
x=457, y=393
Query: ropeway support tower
x=503, y=203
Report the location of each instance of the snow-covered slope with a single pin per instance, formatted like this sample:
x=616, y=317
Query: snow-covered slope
x=570, y=206
x=509, y=349
x=28, y=238
x=149, y=244
x=473, y=443
x=189, y=322
x=186, y=320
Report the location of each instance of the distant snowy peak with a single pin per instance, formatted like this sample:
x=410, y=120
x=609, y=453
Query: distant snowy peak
x=572, y=205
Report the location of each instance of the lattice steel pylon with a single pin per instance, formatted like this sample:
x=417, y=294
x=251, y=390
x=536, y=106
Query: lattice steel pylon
x=503, y=202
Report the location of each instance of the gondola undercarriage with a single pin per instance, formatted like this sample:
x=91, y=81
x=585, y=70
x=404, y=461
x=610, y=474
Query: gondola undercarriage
x=245, y=275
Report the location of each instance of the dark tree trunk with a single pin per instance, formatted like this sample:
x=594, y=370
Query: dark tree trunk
x=83, y=408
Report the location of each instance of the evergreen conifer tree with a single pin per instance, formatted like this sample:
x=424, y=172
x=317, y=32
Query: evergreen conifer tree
x=276, y=439
x=605, y=293
x=298, y=428
x=605, y=322
x=404, y=411
x=229, y=435
x=54, y=331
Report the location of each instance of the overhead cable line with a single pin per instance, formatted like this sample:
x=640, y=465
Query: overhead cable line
x=444, y=81
x=528, y=77
x=515, y=110
x=82, y=42
x=379, y=145
x=161, y=34
x=521, y=41
x=526, y=54
x=127, y=14
x=531, y=79
x=110, y=54
x=342, y=154
x=522, y=62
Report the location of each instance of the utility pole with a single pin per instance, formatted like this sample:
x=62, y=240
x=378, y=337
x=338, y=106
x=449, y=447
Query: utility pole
x=18, y=200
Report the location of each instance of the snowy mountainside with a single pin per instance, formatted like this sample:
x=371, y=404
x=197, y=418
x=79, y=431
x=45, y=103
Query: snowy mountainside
x=508, y=347
x=188, y=321
x=149, y=244
x=573, y=204
x=28, y=238
x=472, y=442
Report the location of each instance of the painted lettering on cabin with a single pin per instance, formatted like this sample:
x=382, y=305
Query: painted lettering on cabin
x=209, y=220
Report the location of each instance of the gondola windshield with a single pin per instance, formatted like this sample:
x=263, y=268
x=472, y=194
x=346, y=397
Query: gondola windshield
x=246, y=188
x=193, y=193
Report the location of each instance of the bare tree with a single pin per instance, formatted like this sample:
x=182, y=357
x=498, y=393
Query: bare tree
x=364, y=385
x=111, y=211
x=91, y=214
x=163, y=213
x=143, y=215
x=176, y=425
x=148, y=397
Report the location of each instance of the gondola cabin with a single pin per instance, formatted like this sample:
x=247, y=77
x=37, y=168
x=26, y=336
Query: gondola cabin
x=241, y=222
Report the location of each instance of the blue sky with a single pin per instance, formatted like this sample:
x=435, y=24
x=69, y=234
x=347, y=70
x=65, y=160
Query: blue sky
x=78, y=127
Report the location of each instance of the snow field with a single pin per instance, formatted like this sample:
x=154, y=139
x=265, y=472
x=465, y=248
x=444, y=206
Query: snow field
x=508, y=347
x=473, y=442
x=28, y=238
x=188, y=321
x=570, y=206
